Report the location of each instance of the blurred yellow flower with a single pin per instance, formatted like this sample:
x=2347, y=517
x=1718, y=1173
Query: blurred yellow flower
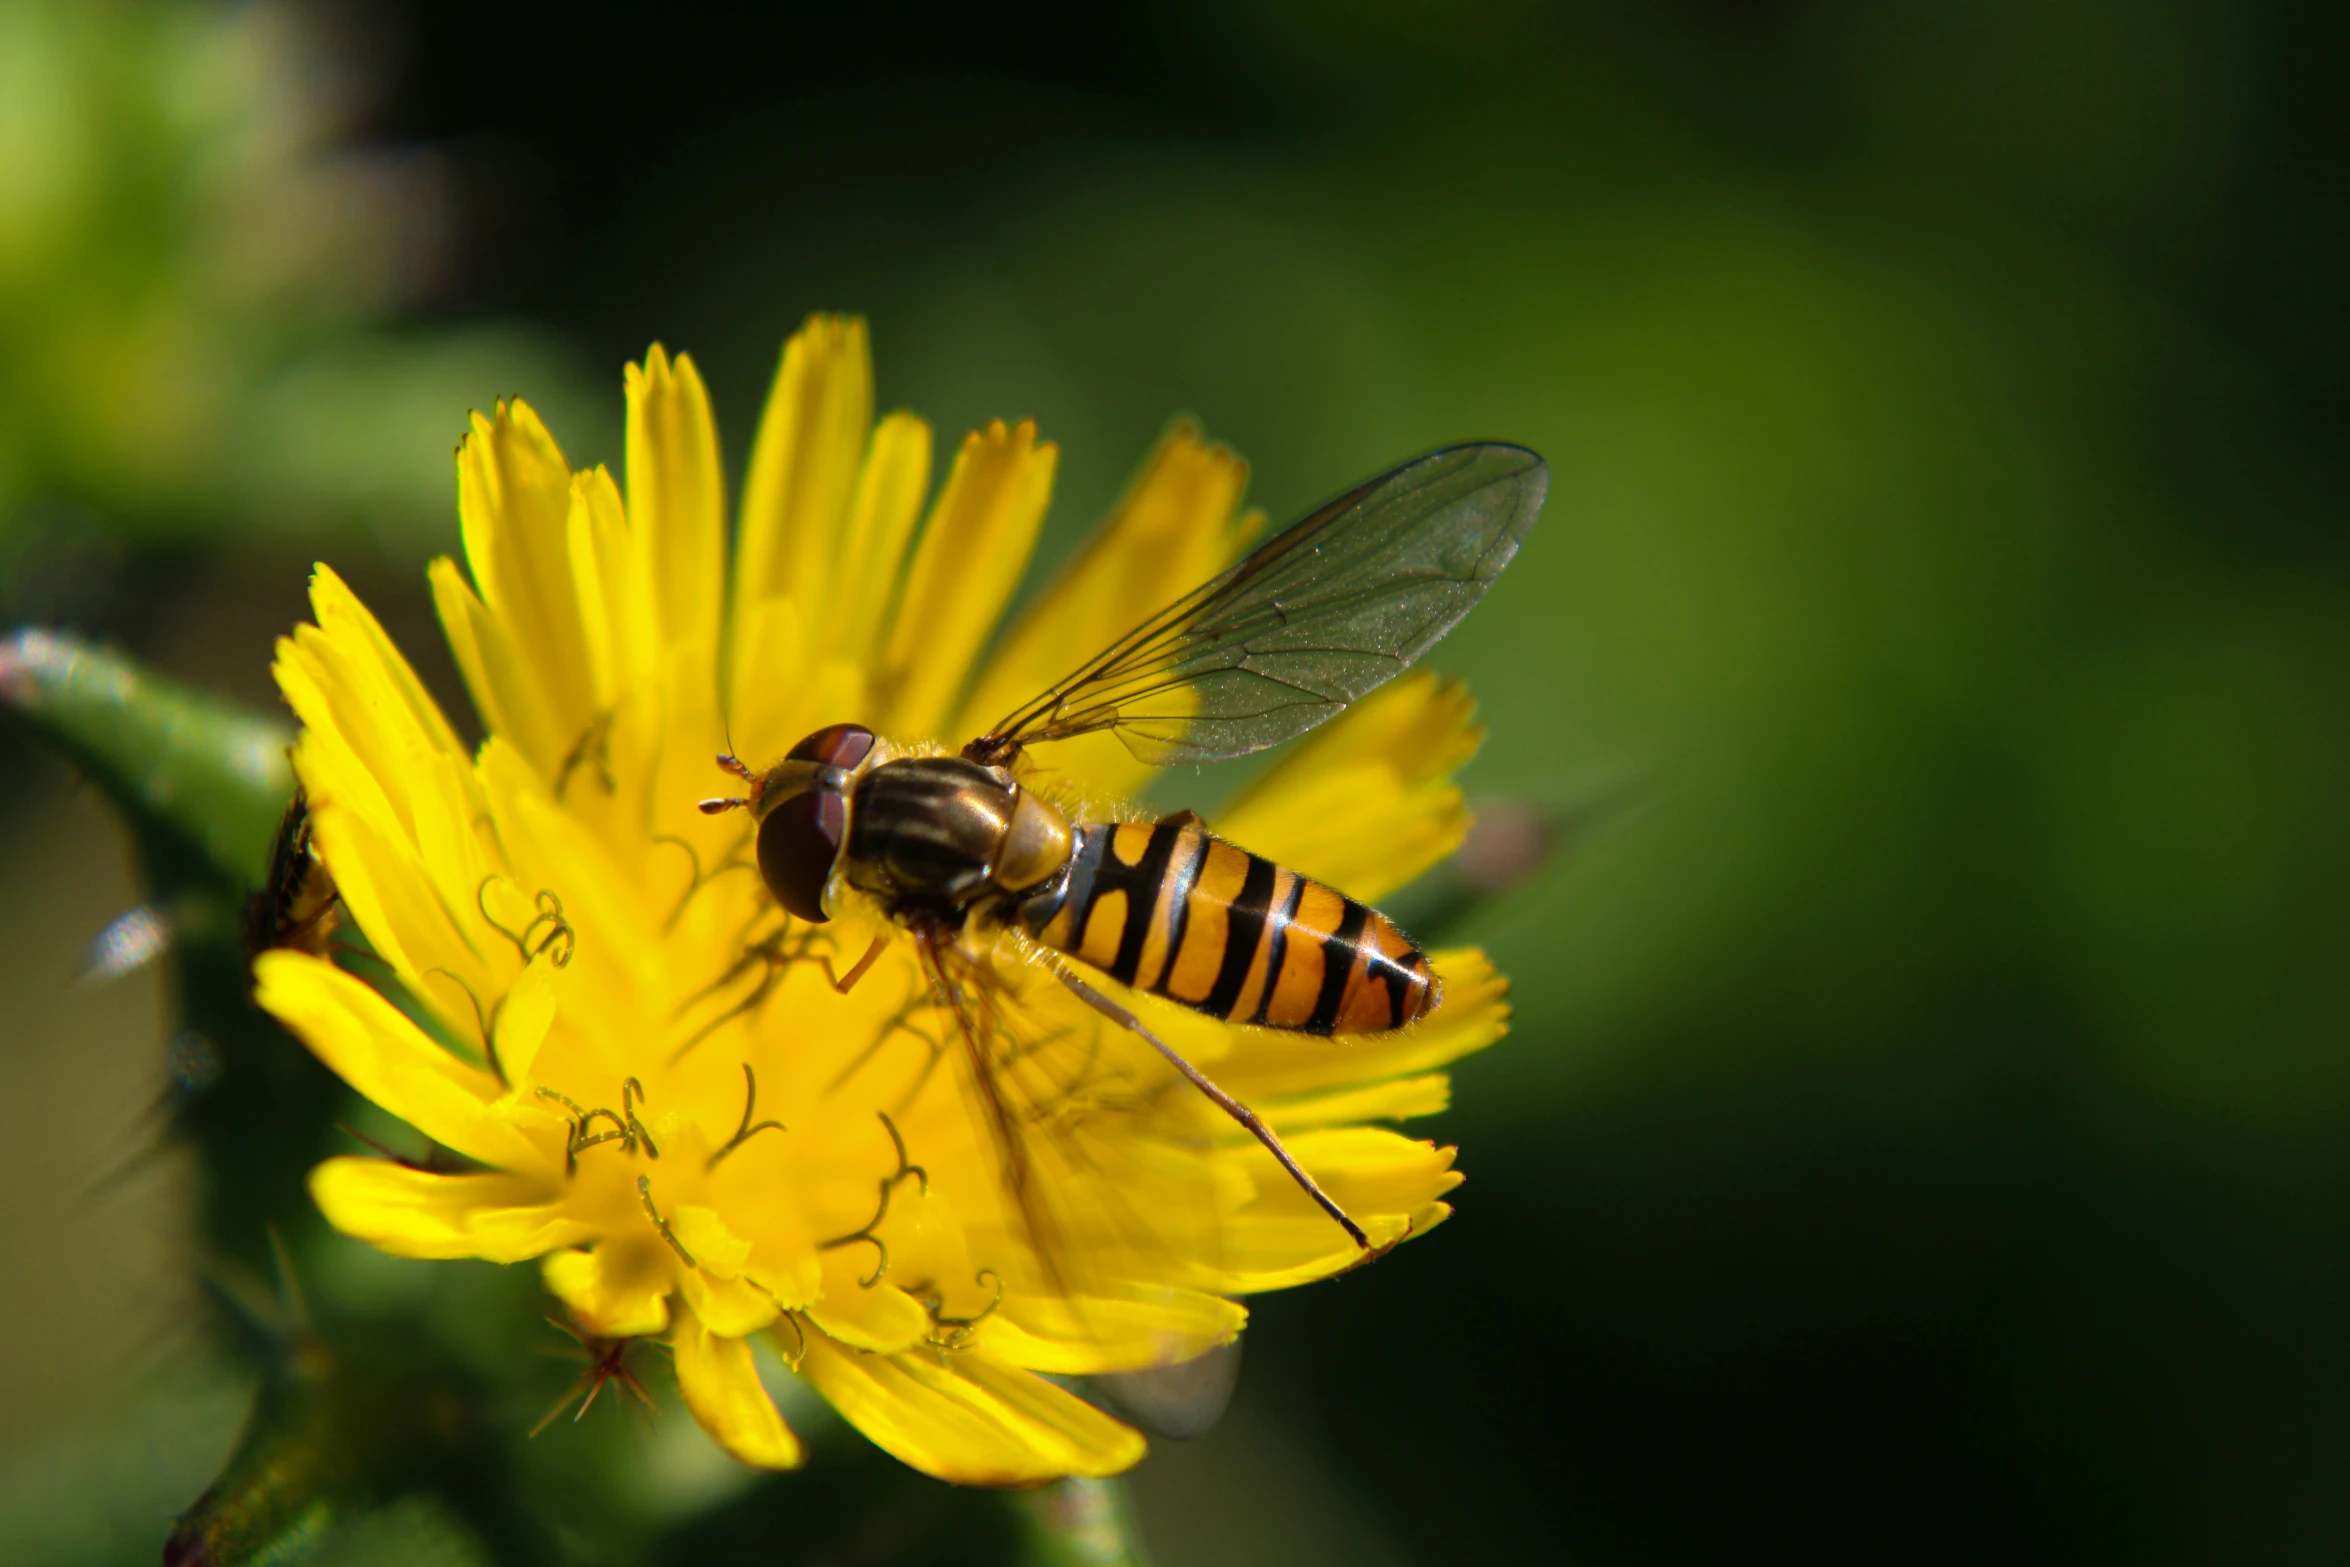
x=668, y=1105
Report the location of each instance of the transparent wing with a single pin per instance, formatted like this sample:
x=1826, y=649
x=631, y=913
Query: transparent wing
x=1325, y=611
x=1179, y=1400
x=1106, y=1224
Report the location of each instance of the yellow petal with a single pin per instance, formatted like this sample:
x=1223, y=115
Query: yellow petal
x=720, y=1383
x=524, y=1017
x=514, y=498
x=390, y=892
x=506, y=691
x=969, y=1419
x=804, y=467
x=391, y=791
x=1389, y=1184
x=970, y=559
x=555, y=852
x=716, y=1249
x=341, y=615
x=1375, y=1169
x=889, y=497
x=616, y=605
x=876, y=1315
x=620, y=1290
x=734, y=1307
x=721, y=1296
x=677, y=501
x=1175, y=528
x=363, y=708
x=1083, y=1337
x=1397, y=1100
x=791, y=1281
x=415, y=1213
x=368, y=1044
x=1366, y=803
x=790, y=689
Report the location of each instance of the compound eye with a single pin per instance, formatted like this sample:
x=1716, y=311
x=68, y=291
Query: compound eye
x=798, y=843
x=841, y=745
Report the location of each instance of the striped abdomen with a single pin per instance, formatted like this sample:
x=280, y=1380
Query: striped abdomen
x=1169, y=909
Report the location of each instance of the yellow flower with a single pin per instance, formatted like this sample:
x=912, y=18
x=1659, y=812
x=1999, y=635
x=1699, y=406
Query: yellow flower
x=668, y=1104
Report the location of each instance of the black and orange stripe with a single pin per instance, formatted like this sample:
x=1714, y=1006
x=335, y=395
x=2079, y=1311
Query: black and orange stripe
x=1173, y=910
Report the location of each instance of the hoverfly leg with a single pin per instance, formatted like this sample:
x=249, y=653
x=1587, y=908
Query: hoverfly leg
x=1223, y=1101
x=845, y=983
x=1185, y=818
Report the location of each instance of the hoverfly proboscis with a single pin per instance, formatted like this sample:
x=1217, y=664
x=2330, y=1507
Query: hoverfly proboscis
x=956, y=853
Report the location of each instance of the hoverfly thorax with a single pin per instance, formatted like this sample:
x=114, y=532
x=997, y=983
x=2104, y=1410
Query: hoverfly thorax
x=947, y=837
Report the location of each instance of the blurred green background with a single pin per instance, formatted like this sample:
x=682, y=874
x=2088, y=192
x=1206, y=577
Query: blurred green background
x=1926, y=1133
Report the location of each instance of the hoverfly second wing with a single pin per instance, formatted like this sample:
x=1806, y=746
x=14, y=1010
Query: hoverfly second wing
x=1324, y=612
x=1065, y=1199
x=950, y=981
x=970, y=993
x=1179, y=1400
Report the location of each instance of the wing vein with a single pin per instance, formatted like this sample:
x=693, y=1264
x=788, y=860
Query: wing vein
x=1320, y=615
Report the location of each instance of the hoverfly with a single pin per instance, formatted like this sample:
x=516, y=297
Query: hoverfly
x=297, y=904
x=955, y=852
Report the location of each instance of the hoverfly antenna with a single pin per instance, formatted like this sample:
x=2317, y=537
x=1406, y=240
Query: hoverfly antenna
x=720, y=806
x=734, y=765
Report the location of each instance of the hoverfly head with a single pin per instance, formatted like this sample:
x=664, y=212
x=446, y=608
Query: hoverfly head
x=802, y=807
